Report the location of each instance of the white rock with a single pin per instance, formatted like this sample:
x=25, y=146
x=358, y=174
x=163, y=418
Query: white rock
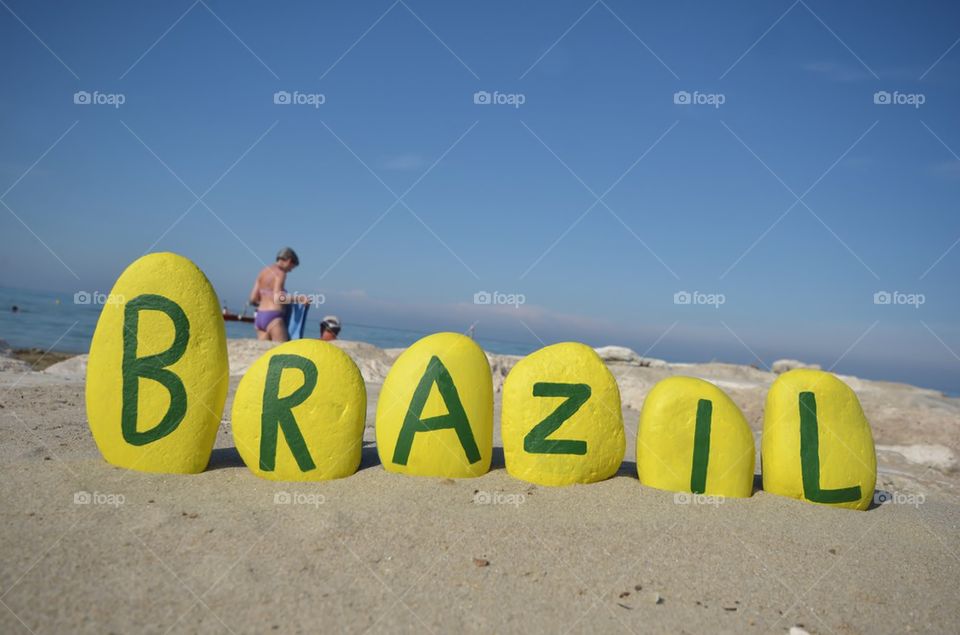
x=374, y=363
x=936, y=456
x=500, y=366
x=625, y=355
x=783, y=365
x=8, y=363
x=72, y=368
x=243, y=353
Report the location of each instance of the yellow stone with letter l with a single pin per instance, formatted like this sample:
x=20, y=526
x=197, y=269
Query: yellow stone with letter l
x=817, y=445
x=562, y=422
x=299, y=413
x=157, y=373
x=435, y=411
x=694, y=438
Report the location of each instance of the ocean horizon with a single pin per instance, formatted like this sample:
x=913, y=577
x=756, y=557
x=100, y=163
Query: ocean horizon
x=59, y=321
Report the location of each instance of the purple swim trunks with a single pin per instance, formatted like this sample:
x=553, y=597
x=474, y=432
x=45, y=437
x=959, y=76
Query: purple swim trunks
x=264, y=318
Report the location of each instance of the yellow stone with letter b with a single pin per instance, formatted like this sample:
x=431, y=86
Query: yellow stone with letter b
x=157, y=373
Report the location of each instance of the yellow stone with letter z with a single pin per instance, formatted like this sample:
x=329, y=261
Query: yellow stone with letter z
x=157, y=374
x=562, y=422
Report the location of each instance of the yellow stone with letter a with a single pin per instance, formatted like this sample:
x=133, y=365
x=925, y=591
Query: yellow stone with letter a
x=435, y=412
x=299, y=413
x=694, y=438
x=562, y=422
x=157, y=373
x=817, y=445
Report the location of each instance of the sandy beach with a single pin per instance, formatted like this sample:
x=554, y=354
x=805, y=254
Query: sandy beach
x=91, y=548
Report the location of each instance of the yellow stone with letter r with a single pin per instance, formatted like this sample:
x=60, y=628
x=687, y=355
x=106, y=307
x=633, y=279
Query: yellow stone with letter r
x=694, y=438
x=435, y=411
x=299, y=413
x=562, y=422
x=817, y=445
x=157, y=374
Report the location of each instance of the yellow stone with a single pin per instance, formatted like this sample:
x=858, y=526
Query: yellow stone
x=435, y=411
x=562, y=422
x=817, y=445
x=299, y=413
x=694, y=438
x=157, y=374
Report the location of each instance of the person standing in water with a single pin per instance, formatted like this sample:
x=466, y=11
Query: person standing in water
x=269, y=295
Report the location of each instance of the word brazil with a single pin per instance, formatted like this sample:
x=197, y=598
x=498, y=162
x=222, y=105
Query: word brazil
x=157, y=382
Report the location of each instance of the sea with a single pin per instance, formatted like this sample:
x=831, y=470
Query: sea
x=65, y=323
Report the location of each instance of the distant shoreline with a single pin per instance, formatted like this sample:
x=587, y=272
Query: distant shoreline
x=40, y=359
x=67, y=327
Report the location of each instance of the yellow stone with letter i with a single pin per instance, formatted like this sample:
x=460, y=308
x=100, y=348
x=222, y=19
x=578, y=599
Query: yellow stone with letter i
x=562, y=422
x=157, y=373
x=817, y=445
x=299, y=413
x=694, y=438
x=435, y=411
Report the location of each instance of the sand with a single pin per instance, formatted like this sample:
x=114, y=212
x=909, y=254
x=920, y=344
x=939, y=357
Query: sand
x=224, y=552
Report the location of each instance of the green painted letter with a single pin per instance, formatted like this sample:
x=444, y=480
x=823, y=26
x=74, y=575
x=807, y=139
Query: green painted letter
x=810, y=457
x=701, y=447
x=277, y=412
x=152, y=367
x=536, y=441
x=455, y=418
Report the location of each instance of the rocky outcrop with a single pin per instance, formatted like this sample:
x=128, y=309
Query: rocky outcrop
x=624, y=355
x=8, y=362
x=783, y=365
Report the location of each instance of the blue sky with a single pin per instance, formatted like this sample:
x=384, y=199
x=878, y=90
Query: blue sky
x=598, y=198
